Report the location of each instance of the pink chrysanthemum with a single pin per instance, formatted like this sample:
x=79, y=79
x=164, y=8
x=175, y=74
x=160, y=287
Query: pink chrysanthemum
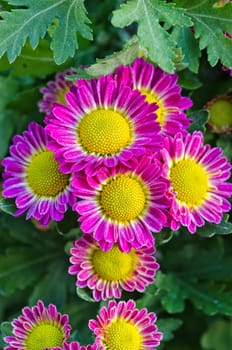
x=121, y=205
x=75, y=346
x=107, y=273
x=33, y=178
x=103, y=123
x=160, y=88
x=38, y=328
x=123, y=326
x=197, y=174
x=55, y=92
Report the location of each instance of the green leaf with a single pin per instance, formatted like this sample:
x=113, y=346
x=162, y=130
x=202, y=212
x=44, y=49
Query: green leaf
x=189, y=46
x=33, y=20
x=209, y=230
x=152, y=35
x=210, y=24
x=20, y=267
x=225, y=142
x=167, y=326
x=199, y=120
x=218, y=336
x=108, y=64
x=8, y=88
x=208, y=297
x=49, y=288
x=174, y=299
x=38, y=62
x=163, y=237
x=80, y=74
x=83, y=294
x=188, y=80
x=6, y=329
x=23, y=231
x=8, y=206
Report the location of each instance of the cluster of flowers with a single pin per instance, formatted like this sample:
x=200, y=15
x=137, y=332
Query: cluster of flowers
x=117, y=151
x=118, y=326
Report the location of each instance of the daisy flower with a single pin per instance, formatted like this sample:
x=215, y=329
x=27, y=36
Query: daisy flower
x=220, y=114
x=107, y=273
x=103, y=123
x=55, y=92
x=122, y=326
x=197, y=174
x=120, y=205
x=159, y=88
x=38, y=328
x=32, y=177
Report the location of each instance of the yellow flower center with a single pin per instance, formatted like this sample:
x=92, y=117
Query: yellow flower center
x=114, y=265
x=161, y=111
x=44, y=177
x=122, y=335
x=190, y=181
x=220, y=115
x=123, y=198
x=104, y=132
x=45, y=336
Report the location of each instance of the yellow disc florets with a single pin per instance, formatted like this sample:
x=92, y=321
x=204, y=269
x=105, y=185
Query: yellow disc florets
x=44, y=335
x=44, y=177
x=114, y=265
x=123, y=335
x=104, y=132
x=123, y=198
x=190, y=181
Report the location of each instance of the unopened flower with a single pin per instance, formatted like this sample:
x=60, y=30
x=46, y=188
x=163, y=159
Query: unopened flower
x=121, y=205
x=33, y=178
x=198, y=175
x=160, y=88
x=39, y=328
x=103, y=123
x=123, y=326
x=220, y=114
x=54, y=92
x=107, y=273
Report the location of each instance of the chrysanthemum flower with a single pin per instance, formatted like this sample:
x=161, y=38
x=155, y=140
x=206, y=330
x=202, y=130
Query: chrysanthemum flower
x=197, y=174
x=103, y=123
x=55, y=92
x=75, y=346
x=160, y=88
x=33, y=178
x=220, y=114
x=121, y=205
x=122, y=326
x=106, y=273
x=38, y=328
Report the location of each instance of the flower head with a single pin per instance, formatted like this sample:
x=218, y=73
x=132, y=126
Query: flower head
x=33, y=178
x=103, y=123
x=220, y=114
x=159, y=88
x=122, y=326
x=197, y=174
x=38, y=328
x=55, y=92
x=120, y=205
x=106, y=273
